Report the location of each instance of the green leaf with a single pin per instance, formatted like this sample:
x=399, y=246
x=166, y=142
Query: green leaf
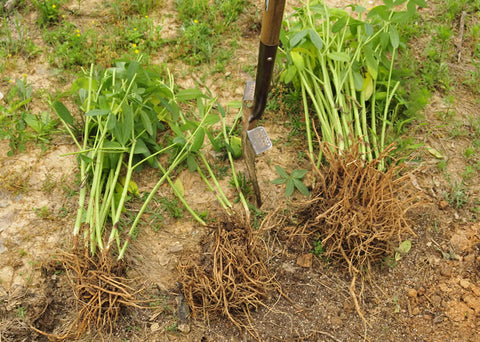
x=211, y=119
x=411, y=8
x=339, y=56
x=132, y=70
x=147, y=124
x=236, y=145
x=299, y=174
x=405, y=247
x=198, y=140
x=289, y=188
x=281, y=172
x=394, y=37
x=279, y=180
x=63, y=113
x=111, y=122
x=315, y=38
x=301, y=187
x=357, y=80
x=191, y=163
x=297, y=38
x=368, y=29
x=32, y=121
x=372, y=64
x=178, y=185
x=141, y=148
x=388, y=3
x=421, y=3
x=189, y=94
x=179, y=140
x=297, y=60
x=339, y=24
x=97, y=112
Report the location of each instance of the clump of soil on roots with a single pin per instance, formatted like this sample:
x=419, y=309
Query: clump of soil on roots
x=230, y=279
x=357, y=211
x=101, y=290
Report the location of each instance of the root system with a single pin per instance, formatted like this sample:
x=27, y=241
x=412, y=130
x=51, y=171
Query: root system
x=231, y=278
x=357, y=211
x=101, y=291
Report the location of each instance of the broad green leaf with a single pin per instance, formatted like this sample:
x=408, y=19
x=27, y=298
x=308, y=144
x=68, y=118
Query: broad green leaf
x=147, y=124
x=279, y=181
x=394, y=37
x=339, y=56
x=367, y=86
x=236, y=145
x=132, y=70
x=301, y=187
x=178, y=185
x=299, y=174
x=191, y=163
x=32, y=121
x=357, y=80
x=132, y=186
x=180, y=140
x=234, y=104
x=399, y=2
x=339, y=24
x=288, y=75
x=297, y=60
x=380, y=11
x=111, y=122
x=421, y=3
x=63, y=112
x=405, y=247
x=281, y=172
x=297, y=38
x=434, y=152
x=388, y=3
x=315, y=38
x=189, y=94
x=411, y=8
x=289, y=188
x=368, y=29
x=141, y=148
x=198, y=140
x=97, y=112
x=211, y=119
x=372, y=64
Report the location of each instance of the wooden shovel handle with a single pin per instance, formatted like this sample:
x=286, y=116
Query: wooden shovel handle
x=272, y=21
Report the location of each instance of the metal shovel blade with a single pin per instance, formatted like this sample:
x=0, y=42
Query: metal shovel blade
x=259, y=139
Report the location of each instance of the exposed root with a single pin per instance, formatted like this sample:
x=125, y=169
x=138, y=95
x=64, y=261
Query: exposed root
x=231, y=279
x=101, y=291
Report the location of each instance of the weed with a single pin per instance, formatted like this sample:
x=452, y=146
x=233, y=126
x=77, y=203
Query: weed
x=62, y=212
x=456, y=196
x=292, y=181
x=318, y=248
x=21, y=312
x=244, y=184
x=43, y=212
x=49, y=11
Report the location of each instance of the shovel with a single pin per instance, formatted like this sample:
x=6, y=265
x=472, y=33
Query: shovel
x=255, y=139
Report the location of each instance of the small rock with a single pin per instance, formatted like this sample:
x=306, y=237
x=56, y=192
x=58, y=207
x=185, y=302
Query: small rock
x=415, y=311
x=445, y=270
x=443, y=205
x=2, y=247
x=305, y=260
x=155, y=327
x=464, y=283
x=412, y=293
x=421, y=291
x=176, y=249
x=458, y=311
x=460, y=242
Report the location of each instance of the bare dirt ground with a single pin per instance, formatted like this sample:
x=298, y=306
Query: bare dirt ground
x=432, y=294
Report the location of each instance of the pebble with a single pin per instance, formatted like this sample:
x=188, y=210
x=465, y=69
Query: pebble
x=155, y=327
x=443, y=205
x=464, y=283
x=412, y=293
x=415, y=311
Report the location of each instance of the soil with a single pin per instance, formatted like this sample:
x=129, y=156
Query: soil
x=432, y=294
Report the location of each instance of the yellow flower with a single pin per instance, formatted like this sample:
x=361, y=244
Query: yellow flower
x=93, y=21
x=63, y=16
x=195, y=21
x=135, y=29
x=53, y=6
x=136, y=51
x=9, y=81
x=146, y=16
x=78, y=31
x=134, y=45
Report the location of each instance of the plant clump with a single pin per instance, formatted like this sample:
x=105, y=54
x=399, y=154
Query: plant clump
x=231, y=278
